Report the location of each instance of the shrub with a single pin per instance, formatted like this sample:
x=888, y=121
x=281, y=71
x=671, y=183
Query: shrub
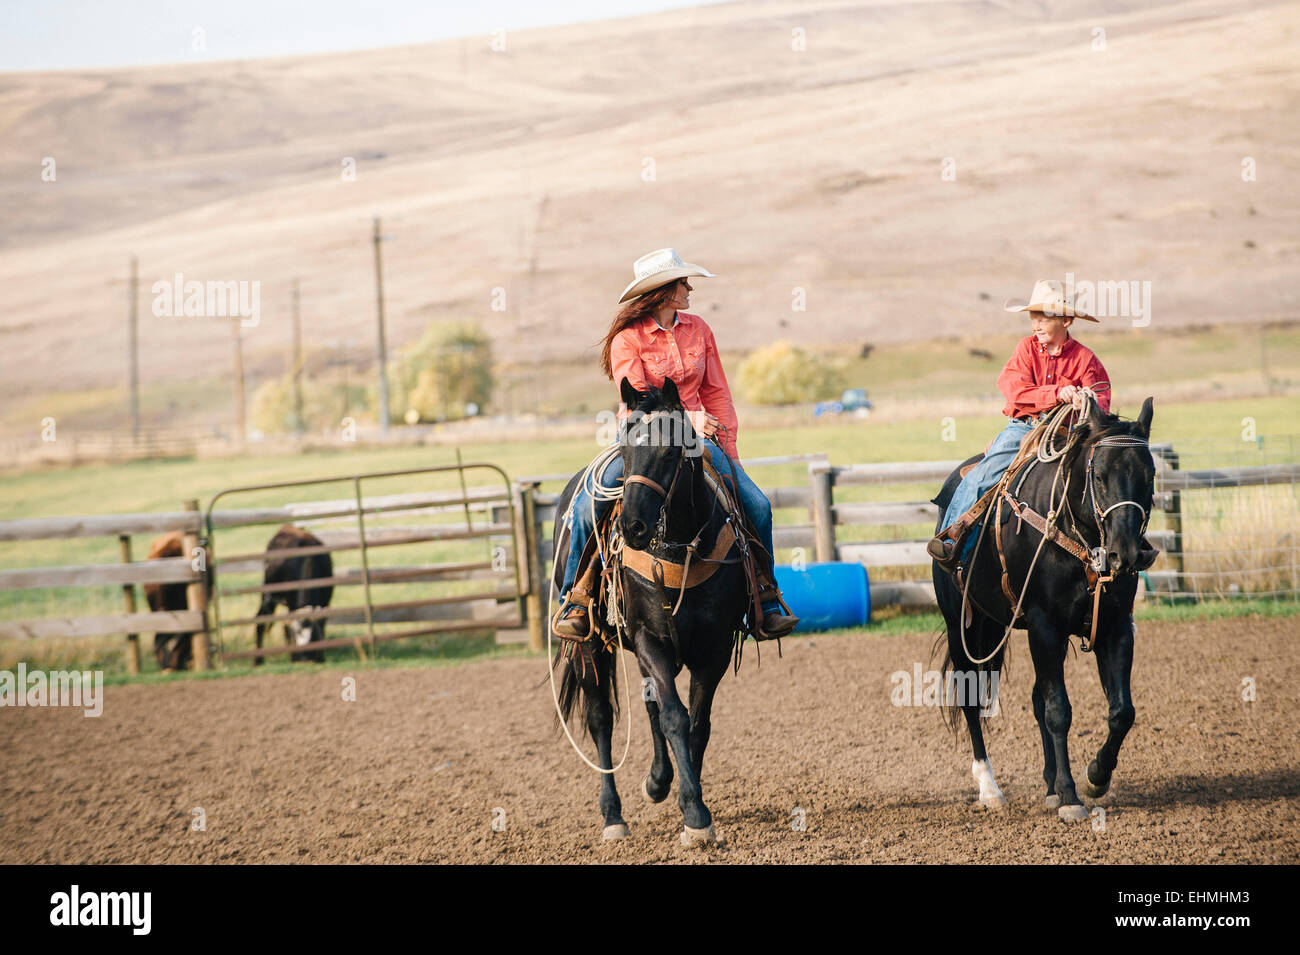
x=325, y=402
x=783, y=374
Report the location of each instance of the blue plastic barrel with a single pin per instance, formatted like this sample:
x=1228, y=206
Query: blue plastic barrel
x=826, y=596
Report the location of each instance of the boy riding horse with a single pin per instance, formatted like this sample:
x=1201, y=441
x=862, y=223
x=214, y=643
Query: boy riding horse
x=1046, y=368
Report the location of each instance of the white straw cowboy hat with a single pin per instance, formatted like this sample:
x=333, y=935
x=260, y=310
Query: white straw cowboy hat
x=656, y=270
x=1049, y=298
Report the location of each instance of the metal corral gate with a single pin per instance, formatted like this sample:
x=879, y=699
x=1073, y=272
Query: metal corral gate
x=489, y=501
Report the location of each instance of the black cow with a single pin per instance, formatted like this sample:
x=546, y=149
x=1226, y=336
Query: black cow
x=283, y=570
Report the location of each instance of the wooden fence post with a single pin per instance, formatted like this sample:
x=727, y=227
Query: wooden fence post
x=1174, y=522
x=533, y=554
x=128, y=597
x=821, y=478
x=196, y=594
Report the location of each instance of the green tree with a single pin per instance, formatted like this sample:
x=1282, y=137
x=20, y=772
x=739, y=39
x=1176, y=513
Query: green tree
x=449, y=367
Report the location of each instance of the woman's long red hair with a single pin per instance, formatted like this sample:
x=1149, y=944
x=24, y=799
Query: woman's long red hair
x=630, y=314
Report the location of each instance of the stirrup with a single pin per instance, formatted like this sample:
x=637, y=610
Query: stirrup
x=575, y=622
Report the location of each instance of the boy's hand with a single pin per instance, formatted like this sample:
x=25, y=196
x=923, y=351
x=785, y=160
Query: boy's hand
x=1067, y=393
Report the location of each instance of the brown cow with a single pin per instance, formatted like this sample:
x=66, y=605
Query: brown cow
x=172, y=649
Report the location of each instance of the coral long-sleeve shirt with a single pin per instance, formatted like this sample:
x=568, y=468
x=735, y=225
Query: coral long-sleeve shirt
x=646, y=354
x=1032, y=378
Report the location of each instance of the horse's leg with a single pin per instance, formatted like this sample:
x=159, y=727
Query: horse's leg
x=983, y=633
x=1047, y=646
x=659, y=780
x=703, y=685
x=1052, y=801
x=1114, y=666
x=676, y=724
x=600, y=723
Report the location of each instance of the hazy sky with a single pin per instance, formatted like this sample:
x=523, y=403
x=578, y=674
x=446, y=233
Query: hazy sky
x=61, y=34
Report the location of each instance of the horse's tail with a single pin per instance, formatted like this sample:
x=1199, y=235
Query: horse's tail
x=587, y=670
x=987, y=674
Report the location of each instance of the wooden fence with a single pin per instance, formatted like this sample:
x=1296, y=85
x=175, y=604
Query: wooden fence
x=524, y=515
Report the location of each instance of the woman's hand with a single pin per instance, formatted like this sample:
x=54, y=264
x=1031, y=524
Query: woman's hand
x=703, y=423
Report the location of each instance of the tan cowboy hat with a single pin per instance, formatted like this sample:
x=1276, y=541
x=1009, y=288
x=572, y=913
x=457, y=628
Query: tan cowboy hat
x=1047, y=297
x=656, y=270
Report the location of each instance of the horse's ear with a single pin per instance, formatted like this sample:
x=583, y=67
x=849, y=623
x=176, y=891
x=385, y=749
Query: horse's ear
x=631, y=397
x=671, y=396
x=1096, y=417
x=1144, y=418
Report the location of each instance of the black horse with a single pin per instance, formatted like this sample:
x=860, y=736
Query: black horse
x=661, y=517
x=1110, y=473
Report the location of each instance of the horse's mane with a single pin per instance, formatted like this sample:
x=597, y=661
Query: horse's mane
x=1086, y=434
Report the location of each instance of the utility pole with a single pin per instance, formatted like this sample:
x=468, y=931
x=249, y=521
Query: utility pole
x=299, y=425
x=133, y=358
x=240, y=421
x=383, y=347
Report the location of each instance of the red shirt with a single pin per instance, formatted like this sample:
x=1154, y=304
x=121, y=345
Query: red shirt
x=1032, y=377
x=646, y=354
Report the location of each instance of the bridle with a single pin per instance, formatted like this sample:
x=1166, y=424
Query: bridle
x=666, y=494
x=1099, y=554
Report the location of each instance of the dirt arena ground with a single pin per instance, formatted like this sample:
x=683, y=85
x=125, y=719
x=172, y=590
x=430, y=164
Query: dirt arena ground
x=413, y=770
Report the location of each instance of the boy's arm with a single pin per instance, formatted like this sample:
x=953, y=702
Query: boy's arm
x=1095, y=374
x=1016, y=382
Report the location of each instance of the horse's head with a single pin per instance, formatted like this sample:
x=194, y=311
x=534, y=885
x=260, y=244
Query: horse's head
x=1115, y=477
x=656, y=442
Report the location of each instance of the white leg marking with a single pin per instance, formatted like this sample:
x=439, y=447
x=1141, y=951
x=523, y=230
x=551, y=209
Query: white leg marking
x=990, y=796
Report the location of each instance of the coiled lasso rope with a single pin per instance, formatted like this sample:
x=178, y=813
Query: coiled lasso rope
x=591, y=480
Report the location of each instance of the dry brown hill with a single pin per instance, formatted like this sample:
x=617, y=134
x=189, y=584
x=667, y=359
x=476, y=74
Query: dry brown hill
x=777, y=168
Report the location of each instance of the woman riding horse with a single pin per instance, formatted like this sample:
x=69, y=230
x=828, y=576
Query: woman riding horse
x=651, y=339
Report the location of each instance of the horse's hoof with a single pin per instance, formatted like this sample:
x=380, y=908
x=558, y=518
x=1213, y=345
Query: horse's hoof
x=993, y=801
x=1094, y=792
x=1075, y=813
x=1053, y=801
x=697, y=837
x=617, y=831
x=645, y=791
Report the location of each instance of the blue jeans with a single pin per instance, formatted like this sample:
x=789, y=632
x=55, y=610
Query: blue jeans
x=984, y=475
x=754, y=501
